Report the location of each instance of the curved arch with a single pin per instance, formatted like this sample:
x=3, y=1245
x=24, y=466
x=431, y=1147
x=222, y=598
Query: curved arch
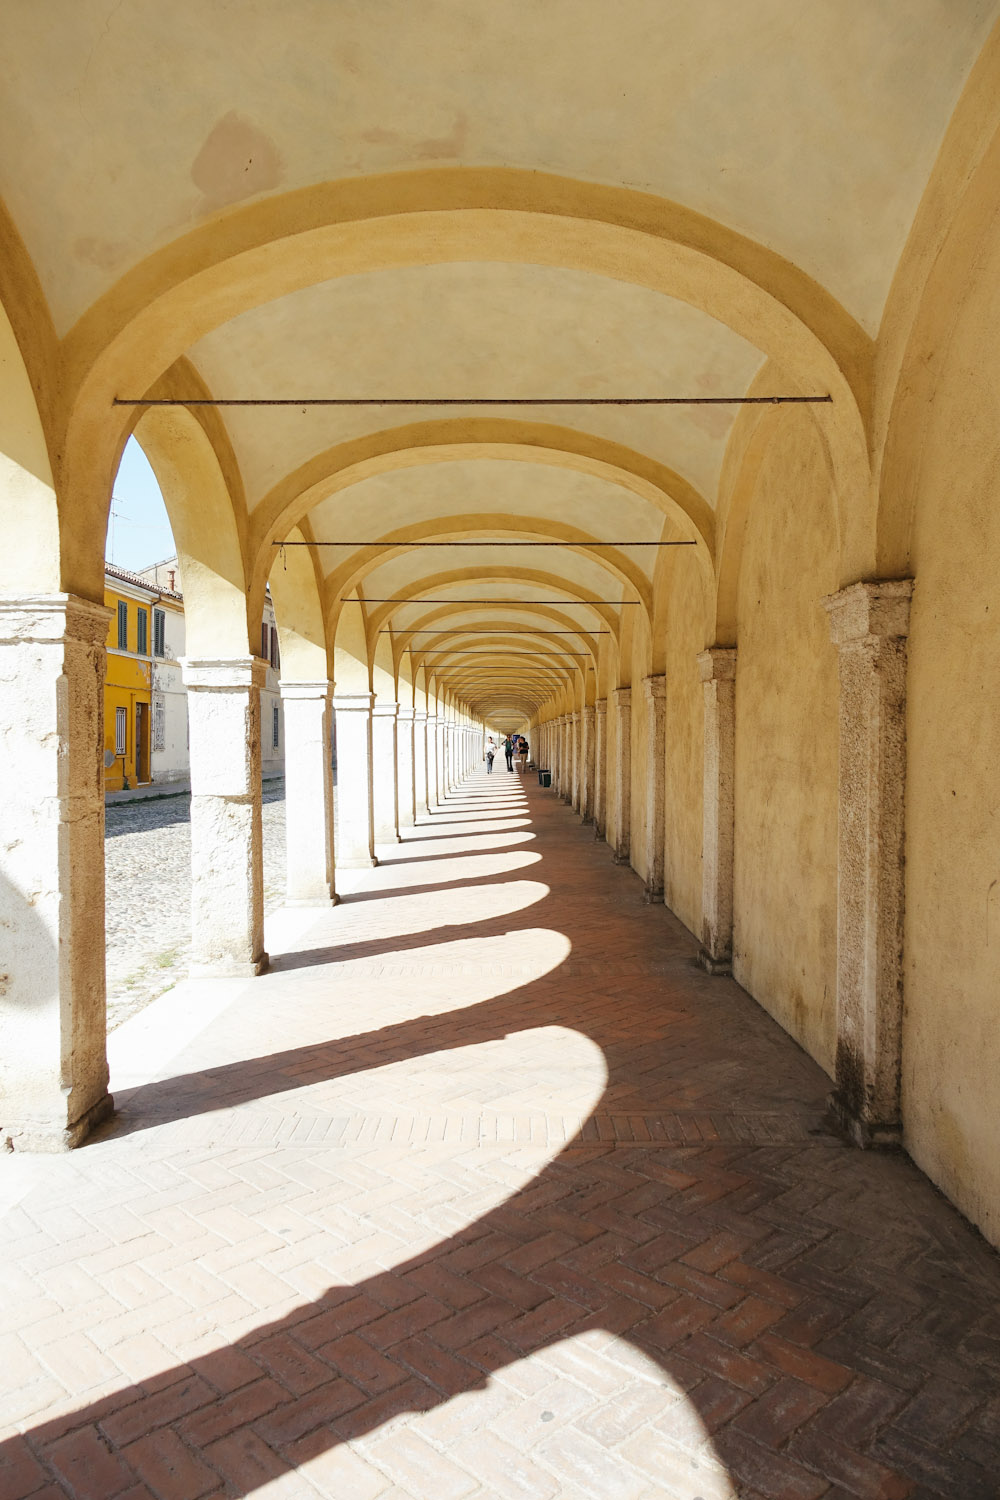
x=453, y=528
x=463, y=577
x=296, y=592
x=162, y=306
x=202, y=516
x=918, y=326
x=456, y=439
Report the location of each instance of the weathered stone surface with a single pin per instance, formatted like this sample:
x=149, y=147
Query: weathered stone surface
x=53, y=1069
x=717, y=668
x=869, y=624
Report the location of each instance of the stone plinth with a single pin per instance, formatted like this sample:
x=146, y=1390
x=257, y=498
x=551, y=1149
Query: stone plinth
x=384, y=772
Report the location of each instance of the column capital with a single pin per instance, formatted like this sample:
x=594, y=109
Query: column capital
x=385, y=710
x=49, y=617
x=588, y=710
x=353, y=703
x=420, y=716
x=223, y=674
x=306, y=690
x=656, y=687
x=407, y=714
x=622, y=696
x=865, y=613
x=601, y=708
x=717, y=664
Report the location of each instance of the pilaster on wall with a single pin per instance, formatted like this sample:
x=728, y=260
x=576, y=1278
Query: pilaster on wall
x=571, y=791
x=587, y=783
x=309, y=844
x=355, y=810
x=53, y=1064
x=384, y=773
x=227, y=872
x=622, y=699
x=717, y=667
x=656, y=698
x=600, y=766
x=869, y=623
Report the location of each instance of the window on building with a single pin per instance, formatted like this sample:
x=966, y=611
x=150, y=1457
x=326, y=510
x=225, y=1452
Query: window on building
x=122, y=625
x=121, y=731
x=142, y=631
x=159, y=632
x=275, y=728
x=274, y=647
x=265, y=640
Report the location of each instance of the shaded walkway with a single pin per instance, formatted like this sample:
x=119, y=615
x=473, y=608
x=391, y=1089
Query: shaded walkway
x=486, y=1190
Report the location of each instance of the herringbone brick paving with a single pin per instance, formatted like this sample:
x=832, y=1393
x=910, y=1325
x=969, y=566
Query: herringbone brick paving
x=486, y=1190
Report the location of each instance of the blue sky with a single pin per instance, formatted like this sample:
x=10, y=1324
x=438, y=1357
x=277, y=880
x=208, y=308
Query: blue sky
x=138, y=530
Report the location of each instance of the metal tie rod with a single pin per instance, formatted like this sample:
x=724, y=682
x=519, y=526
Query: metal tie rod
x=469, y=400
x=381, y=542
x=563, y=603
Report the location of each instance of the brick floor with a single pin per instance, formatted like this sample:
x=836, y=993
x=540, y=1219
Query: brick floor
x=486, y=1190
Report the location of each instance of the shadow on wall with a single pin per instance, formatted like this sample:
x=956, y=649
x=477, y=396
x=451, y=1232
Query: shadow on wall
x=666, y=1249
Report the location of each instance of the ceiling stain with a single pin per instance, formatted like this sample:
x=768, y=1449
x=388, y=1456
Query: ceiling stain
x=237, y=161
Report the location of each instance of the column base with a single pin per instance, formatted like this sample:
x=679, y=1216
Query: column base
x=713, y=965
x=49, y=1137
x=620, y=858
x=389, y=837
x=366, y=862
x=586, y=818
x=317, y=901
x=598, y=830
x=653, y=895
x=869, y=1135
x=230, y=968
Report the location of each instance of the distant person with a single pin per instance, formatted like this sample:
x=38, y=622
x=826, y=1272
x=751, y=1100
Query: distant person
x=491, y=751
x=508, y=750
x=522, y=753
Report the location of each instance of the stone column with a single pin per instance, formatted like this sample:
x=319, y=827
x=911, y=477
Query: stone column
x=53, y=1066
x=587, y=785
x=622, y=698
x=656, y=745
x=600, y=766
x=309, y=860
x=384, y=772
x=420, y=807
x=431, y=760
x=717, y=667
x=406, y=809
x=355, y=812
x=441, y=783
x=869, y=623
x=227, y=872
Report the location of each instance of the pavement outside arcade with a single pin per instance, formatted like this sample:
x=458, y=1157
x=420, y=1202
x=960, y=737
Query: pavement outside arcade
x=485, y=1190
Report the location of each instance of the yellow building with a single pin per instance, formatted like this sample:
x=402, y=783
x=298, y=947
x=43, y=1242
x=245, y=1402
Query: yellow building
x=134, y=633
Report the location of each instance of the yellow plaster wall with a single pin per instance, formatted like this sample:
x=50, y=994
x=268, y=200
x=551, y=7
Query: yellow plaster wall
x=685, y=717
x=785, y=888
x=951, y=1028
x=126, y=682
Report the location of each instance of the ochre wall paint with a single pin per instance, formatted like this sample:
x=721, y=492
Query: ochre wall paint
x=785, y=897
x=951, y=1028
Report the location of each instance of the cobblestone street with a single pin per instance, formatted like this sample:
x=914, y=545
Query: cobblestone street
x=148, y=898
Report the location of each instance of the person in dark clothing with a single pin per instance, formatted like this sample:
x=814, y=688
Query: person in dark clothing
x=508, y=750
